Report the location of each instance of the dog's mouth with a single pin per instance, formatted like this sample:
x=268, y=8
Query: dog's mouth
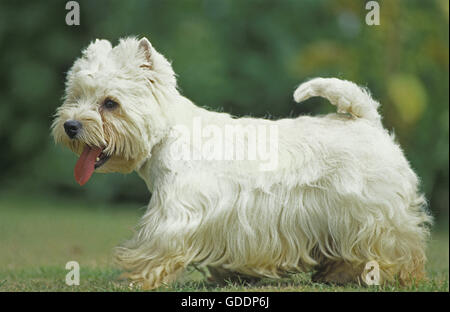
x=90, y=159
x=101, y=159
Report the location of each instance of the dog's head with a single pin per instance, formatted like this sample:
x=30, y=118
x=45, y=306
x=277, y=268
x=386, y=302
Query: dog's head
x=111, y=115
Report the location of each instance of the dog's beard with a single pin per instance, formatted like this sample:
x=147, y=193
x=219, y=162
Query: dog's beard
x=98, y=151
x=98, y=158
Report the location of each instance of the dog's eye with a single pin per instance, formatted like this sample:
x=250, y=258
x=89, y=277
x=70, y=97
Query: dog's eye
x=110, y=104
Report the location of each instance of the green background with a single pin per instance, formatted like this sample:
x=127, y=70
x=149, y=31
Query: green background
x=242, y=57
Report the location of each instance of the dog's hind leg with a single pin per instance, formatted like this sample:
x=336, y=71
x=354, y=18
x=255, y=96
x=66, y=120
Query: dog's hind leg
x=222, y=276
x=337, y=272
x=340, y=272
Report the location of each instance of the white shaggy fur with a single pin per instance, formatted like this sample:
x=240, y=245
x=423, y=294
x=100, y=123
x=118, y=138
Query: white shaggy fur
x=343, y=193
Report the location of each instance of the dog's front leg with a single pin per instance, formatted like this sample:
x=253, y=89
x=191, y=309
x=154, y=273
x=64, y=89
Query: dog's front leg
x=148, y=268
x=151, y=275
x=156, y=256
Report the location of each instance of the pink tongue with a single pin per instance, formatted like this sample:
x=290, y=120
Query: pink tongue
x=85, y=164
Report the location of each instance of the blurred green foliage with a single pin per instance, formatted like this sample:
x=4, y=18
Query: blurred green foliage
x=242, y=57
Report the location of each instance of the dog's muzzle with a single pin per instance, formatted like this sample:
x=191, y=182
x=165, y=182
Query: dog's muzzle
x=72, y=128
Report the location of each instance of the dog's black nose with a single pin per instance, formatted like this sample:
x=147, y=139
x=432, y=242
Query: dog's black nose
x=72, y=128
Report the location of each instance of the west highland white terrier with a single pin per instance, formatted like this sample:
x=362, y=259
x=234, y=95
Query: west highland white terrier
x=245, y=197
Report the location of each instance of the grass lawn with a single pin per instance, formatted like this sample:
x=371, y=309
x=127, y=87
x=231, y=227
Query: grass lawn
x=38, y=236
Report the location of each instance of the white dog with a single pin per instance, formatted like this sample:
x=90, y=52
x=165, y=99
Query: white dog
x=336, y=192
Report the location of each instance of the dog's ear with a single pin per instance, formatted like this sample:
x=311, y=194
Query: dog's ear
x=156, y=63
x=98, y=48
x=146, y=48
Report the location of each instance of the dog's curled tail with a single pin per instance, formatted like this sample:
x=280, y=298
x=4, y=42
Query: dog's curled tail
x=345, y=95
